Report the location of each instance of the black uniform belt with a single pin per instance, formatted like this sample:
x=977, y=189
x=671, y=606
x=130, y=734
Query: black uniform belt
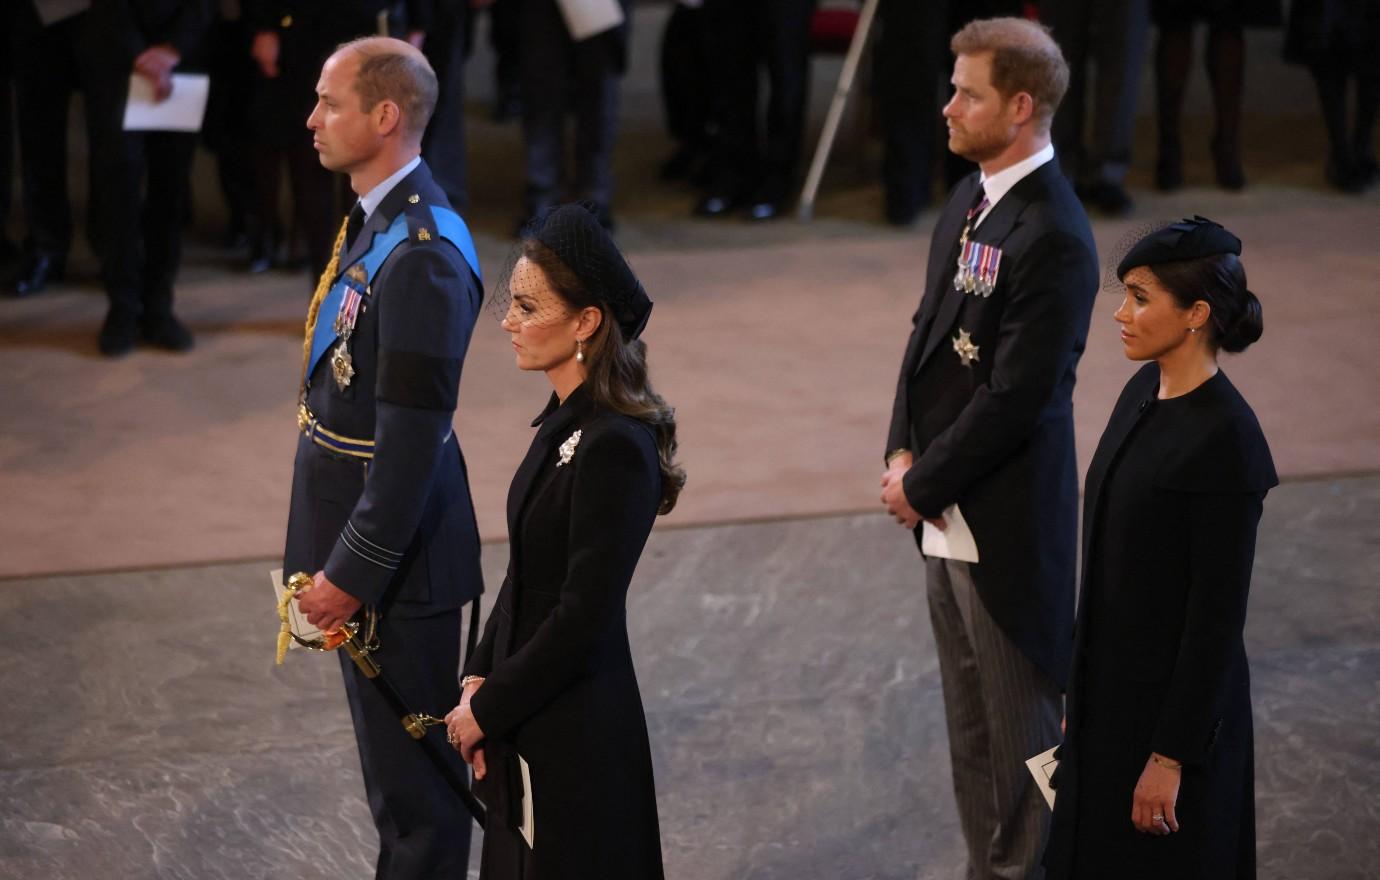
x=328, y=439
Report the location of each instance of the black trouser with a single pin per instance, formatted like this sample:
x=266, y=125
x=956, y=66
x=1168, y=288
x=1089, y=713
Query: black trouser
x=140, y=200
x=47, y=70
x=910, y=66
x=685, y=65
x=549, y=58
x=444, y=143
x=227, y=125
x=424, y=830
x=1112, y=36
x=748, y=34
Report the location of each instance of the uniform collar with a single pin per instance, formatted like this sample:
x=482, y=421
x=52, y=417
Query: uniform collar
x=371, y=200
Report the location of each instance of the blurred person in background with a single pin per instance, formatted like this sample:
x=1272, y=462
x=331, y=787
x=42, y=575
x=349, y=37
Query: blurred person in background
x=1339, y=42
x=141, y=177
x=1224, y=56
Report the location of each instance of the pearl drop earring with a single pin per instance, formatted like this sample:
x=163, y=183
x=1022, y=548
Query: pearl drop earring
x=579, y=351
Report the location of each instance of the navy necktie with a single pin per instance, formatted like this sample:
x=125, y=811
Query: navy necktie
x=354, y=225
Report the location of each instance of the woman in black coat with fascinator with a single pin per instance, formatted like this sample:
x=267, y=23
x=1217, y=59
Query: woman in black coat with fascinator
x=1156, y=776
x=550, y=715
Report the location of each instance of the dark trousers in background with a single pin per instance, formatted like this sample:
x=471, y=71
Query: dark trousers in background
x=315, y=219
x=685, y=65
x=555, y=71
x=748, y=35
x=47, y=71
x=140, y=205
x=912, y=57
x=226, y=130
x=1112, y=37
x=424, y=830
x=443, y=147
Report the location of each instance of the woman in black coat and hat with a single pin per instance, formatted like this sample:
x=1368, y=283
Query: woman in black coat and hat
x=550, y=716
x=1156, y=774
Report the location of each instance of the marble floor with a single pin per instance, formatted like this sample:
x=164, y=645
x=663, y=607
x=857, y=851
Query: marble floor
x=791, y=689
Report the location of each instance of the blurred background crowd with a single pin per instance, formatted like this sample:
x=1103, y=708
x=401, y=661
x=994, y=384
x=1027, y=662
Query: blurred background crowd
x=734, y=83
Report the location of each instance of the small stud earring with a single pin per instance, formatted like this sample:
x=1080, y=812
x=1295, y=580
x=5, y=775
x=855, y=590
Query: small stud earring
x=579, y=351
x=1192, y=329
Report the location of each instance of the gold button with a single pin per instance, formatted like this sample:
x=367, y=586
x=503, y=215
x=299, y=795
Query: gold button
x=414, y=199
x=286, y=22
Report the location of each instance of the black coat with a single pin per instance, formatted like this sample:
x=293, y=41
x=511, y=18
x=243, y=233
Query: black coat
x=996, y=436
x=1174, y=495
x=397, y=530
x=1343, y=33
x=308, y=32
x=559, y=686
x=1228, y=13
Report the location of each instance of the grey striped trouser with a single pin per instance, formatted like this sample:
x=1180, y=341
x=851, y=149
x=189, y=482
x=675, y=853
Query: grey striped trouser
x=1001, y=709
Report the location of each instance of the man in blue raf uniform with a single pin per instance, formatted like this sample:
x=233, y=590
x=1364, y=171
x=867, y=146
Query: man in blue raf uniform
x=381, y=509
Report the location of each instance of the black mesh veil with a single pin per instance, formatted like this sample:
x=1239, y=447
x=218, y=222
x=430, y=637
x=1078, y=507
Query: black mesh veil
x=572, y=234
x=1111, y=280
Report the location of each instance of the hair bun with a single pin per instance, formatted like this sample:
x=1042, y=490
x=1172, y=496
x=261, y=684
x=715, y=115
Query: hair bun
x=1247, y=327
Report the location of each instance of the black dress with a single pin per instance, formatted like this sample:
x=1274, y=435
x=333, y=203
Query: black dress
x=1221, y=13
x=559, y=689
x=1345, y=33
x=1174, y=495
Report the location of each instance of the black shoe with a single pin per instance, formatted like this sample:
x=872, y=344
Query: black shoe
x=1230, y=175
x=1169, y=173
x=168, y=332
x=717, y=204
x=681, y=164
x=35, y=273
x=118, y=333
x=765, y=209
x=261, y=255
x=902, y=207
x=508, y=105
x=1344, y=177
x=1109, y=198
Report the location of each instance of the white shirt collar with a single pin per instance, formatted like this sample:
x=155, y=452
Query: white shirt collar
x=1001, y=183
x=370, y=201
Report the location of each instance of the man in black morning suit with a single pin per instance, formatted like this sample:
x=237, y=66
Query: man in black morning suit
x=139, y=178
x=983, y=419
x=381, y=510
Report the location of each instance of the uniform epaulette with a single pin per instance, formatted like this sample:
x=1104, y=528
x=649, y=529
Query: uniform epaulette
x=421, y=223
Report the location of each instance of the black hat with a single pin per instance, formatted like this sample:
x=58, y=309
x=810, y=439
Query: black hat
x=573, y=234
x=1183, y=240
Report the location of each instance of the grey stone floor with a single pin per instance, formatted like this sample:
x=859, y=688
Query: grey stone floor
x=791, y=687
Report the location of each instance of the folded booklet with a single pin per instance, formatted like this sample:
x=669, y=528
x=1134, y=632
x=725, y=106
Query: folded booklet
x=1042, y=767
x=955, y=542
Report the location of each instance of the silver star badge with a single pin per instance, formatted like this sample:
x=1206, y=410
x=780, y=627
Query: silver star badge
x=967, y=351
x=567, y=450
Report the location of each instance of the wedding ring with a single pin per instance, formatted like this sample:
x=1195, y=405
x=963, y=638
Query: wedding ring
x=1158, y=817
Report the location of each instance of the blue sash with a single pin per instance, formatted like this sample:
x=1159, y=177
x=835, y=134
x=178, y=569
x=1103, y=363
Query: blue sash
x=448, y=225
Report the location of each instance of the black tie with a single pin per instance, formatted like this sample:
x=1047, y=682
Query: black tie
x=354, y=225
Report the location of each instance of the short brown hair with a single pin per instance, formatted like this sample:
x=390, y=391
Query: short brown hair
x=1025, y=58
x=391, y=70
